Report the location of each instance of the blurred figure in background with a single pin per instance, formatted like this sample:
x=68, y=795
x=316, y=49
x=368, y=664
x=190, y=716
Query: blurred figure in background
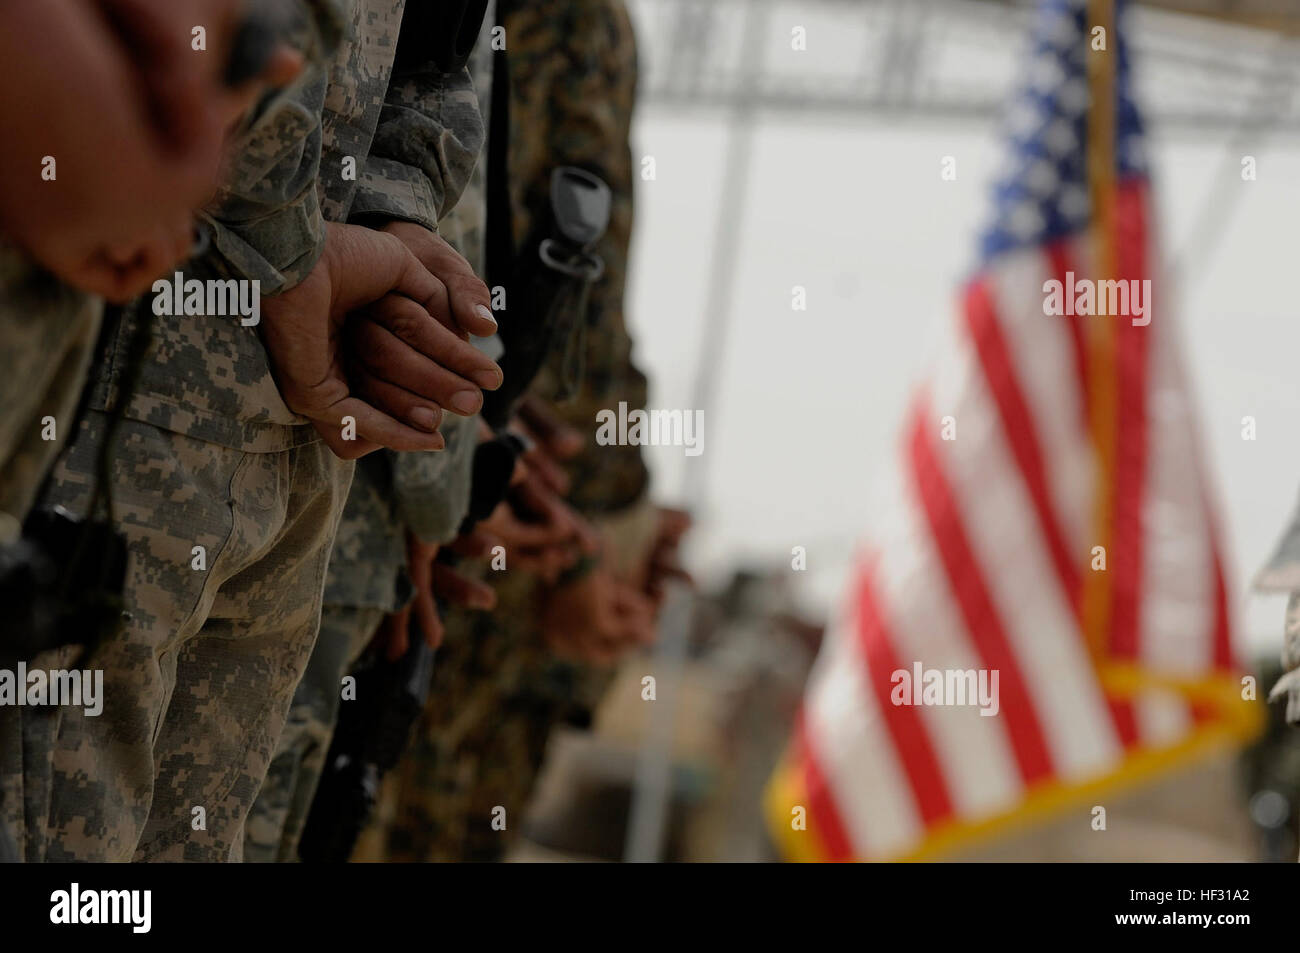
x=399, y=503
x=503, y=680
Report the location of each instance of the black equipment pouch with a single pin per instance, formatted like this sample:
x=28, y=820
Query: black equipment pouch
x=549, y=290
x=65, y=578
x=62, y=583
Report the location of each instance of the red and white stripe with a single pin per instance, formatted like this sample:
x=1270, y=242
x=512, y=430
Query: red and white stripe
x=979, y=562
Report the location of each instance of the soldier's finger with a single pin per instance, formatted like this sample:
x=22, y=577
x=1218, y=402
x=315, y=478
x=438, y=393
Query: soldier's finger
x=357, y=420
x=673, y=523
x=100, y=276
x=533, y=496
x=531, y=559
x=157, y=42
x=137, y=276
x=398, y=401
x=169, y=247
x=471, y=304
x=442, y=307
x=519, y=472
x=523, y=535
x=557, y=559
x=538, y=499
x=410, y=323
x=558, y=438
x=548, y=471
x=342, y=447
x=435, y=305
x=382, y=354
x=459, y=590
x=282, y=67
x=635, y=614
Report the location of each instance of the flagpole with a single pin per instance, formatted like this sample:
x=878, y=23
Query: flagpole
x=1103, y=410
x=652, y=786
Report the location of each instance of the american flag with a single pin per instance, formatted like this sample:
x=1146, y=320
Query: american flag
x=1046, y=518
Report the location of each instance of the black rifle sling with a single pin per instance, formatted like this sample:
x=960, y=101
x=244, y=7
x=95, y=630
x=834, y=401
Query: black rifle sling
x=500, y=240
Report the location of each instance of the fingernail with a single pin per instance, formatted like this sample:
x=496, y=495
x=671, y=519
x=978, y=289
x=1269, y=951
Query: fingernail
x=465, y=401
x=425, y=418
x=485, y=314
x=489, y=378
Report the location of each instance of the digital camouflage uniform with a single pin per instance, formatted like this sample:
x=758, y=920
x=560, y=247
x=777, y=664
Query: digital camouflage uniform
x=228, y=502
x=497, y=692
x=431, y=124
x=48, y=330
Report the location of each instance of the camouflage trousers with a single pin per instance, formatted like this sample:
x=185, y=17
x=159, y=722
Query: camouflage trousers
x=49, y=331
x=227, y=558
x=478, y=747
x=464, y=800
x=276, y=821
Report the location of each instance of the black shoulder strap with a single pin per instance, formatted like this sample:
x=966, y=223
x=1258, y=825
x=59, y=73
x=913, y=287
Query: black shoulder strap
x=441, y=30
x=499, y=242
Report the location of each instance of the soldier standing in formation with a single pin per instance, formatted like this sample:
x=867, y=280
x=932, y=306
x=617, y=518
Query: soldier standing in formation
x=330, y=158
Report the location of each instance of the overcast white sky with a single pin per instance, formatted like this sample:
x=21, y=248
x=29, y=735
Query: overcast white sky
x=808, y=402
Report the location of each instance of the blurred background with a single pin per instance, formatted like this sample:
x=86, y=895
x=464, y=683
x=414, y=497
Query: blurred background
x=766, y=169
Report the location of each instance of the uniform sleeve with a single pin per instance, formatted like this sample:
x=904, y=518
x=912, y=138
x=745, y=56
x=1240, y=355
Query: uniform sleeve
x=265, y=222
x=424, y=153
x=431, y=490
x=587, y=92
x=425, y=148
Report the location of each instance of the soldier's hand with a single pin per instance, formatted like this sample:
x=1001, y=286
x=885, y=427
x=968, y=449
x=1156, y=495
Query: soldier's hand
x=663, y=562
x=466, y=307
x=532, y=548
x=537, y=500
x=393, y=631
x=555, y=436
x=191, y=98
x=413, y=366
x=553, y=442
x=101, y=179
x=433, y=582
x=541, y=534
x=303, y=330
x=596, y=618
x=454, y=588
x=191, y=107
